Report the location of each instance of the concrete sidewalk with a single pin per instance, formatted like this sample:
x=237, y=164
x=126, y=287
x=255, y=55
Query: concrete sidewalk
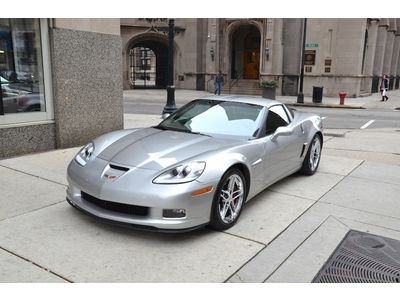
x=371, y=102
x=285, y=234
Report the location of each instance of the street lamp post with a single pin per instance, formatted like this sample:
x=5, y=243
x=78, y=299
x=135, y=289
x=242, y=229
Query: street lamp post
x=170, y=107
x=300, y=95
x=1, y=101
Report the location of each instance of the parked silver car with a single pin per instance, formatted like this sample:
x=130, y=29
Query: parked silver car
x=199, y=166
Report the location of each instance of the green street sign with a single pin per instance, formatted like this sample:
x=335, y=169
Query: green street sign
x=312, y=45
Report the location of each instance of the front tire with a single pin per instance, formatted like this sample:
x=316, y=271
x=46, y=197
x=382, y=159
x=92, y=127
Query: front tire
x=313, y=157
x=229, y=199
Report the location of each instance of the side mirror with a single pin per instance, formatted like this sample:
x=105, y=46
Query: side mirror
x=281, y=131
x=164, y=116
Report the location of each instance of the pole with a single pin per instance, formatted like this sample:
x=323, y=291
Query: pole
x=170, y=107
x=1, y=100
x=300, y=95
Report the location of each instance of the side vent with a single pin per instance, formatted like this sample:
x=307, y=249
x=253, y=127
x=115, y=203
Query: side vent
x=302, y=149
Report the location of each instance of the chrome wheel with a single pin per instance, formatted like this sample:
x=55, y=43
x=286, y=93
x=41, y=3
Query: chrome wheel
x=231, y=199
x=315, y=153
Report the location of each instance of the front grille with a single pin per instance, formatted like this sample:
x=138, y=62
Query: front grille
x=363, y=257
x=133, y=210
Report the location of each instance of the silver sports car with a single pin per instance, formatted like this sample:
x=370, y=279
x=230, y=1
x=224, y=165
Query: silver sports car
x=199, y=166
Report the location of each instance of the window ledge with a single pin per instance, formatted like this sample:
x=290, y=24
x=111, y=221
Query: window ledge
x=34, y=123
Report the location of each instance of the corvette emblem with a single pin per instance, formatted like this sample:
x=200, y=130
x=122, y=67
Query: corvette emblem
x=110, y=178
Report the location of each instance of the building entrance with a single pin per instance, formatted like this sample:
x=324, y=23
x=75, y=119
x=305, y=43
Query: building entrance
x=245, y=58
x=251, y=64
x=148, y=64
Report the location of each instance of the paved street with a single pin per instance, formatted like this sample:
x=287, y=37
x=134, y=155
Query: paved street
x=357, y=118
x=375, y=114
x=285, y=234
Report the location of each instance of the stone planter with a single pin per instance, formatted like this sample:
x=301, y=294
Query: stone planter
x=269, y=92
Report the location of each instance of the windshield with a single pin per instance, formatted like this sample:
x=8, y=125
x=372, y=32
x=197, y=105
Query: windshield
x=214, y=117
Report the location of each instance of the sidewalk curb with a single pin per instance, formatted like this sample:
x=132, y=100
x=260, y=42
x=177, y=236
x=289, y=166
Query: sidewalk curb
x=326, y=105
x=335, y=134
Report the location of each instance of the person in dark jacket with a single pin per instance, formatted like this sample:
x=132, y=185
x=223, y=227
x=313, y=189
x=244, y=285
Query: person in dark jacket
x=218, y=83
x=384, y=88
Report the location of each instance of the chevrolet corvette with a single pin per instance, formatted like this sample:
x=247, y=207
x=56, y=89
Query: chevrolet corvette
x=198, y=167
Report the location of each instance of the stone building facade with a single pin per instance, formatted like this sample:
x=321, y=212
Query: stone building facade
x=61, y=82
x=340, y=54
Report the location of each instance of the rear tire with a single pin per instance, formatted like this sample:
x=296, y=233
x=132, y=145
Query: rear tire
x=229, y=199
x=313, y=157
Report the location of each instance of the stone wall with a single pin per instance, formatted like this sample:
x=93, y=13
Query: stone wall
x=26, y=139
x=87, y=85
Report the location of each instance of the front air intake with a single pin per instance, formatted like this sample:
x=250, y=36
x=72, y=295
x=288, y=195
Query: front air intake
x=128, y=209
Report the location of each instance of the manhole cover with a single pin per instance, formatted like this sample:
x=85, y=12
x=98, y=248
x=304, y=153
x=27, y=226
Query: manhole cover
x=363, y=257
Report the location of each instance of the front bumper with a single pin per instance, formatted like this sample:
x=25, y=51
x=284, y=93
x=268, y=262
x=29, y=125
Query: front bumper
x=131, y=225
x=136, y=188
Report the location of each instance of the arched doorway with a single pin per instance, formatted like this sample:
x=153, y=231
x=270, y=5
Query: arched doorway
x=245, y=52
x=148, y=62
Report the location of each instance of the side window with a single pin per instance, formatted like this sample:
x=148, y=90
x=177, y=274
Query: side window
x=277, y=117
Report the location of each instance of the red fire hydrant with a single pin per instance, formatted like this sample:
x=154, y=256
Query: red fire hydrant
x=342, y=95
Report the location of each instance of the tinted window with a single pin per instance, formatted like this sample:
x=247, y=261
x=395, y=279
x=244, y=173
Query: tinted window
x=217, y=117
x=277, y=117
x=21, y=66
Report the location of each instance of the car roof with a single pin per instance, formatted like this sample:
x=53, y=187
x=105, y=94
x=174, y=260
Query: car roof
x=244, y=99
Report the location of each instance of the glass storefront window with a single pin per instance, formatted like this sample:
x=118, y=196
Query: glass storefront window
x=21, y=67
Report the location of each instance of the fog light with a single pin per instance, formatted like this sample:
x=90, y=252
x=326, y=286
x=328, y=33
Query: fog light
x=174, y=213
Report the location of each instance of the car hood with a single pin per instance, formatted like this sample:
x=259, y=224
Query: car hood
x=156, y=149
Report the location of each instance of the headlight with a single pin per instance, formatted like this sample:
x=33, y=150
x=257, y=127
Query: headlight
x=182, y=173
x=84, y=155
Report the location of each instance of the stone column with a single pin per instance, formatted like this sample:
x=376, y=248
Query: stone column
x=87, y=81
x=221, y=59
x=370, y=51
x=387, y=62
x=278, y=57
x=398, y=71
x=201, y=53
x=370, y=54
x=277, y=47
x=264, y=45
x=380, y=47
x=269, y=43
x=292, y=45
x=379, y=53
x=395, y=55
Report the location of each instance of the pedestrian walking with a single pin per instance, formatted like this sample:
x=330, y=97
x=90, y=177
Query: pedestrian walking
x=384, y=87
x=218, y=83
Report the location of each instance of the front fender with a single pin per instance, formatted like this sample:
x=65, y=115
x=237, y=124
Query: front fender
x=219, y=162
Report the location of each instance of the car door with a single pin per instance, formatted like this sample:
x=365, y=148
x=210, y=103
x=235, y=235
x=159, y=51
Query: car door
x=282, y=153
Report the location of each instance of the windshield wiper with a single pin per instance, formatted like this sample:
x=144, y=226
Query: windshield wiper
x=161, y=127
x=199, y=133
x=185, y=130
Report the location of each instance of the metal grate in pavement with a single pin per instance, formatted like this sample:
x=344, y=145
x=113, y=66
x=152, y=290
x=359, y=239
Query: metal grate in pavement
x=363, y=257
